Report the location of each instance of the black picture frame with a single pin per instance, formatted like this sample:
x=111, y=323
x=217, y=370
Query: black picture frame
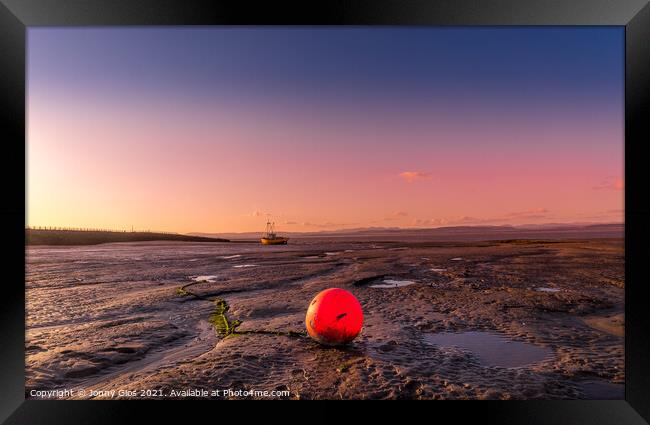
x=634, y=15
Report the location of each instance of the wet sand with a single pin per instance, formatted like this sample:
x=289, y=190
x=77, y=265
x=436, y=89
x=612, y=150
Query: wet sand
x=143, y=316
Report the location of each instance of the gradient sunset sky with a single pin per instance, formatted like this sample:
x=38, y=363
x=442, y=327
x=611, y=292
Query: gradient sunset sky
x=215, y=129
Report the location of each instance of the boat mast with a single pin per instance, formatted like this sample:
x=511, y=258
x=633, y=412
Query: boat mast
x=270, y=230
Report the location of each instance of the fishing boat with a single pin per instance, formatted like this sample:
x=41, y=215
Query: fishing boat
x=270, y=238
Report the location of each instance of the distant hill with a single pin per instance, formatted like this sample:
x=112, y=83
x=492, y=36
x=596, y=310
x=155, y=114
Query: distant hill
x=91, y=237
x=454, y=233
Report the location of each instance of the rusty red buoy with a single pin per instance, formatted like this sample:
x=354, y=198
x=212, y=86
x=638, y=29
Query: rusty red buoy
x=334, y=317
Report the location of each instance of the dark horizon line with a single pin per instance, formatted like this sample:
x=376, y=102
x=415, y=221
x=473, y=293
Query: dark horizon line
x=339, y=230
x=357, y=229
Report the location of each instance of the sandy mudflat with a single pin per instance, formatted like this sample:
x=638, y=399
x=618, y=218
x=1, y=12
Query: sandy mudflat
x=610, y=323
x=474, y=324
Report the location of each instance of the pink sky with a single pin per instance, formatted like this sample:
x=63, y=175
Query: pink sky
x=114, y=142
x=184, y=168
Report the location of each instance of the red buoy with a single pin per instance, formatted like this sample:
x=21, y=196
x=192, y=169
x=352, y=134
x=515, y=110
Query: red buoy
x=334, y=317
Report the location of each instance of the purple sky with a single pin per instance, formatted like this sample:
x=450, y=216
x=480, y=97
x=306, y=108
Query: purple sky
x=214, y=129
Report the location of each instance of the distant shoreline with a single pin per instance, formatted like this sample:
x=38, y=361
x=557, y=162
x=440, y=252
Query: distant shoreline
x=551, y=231
x=90, y=237
x=34, y=237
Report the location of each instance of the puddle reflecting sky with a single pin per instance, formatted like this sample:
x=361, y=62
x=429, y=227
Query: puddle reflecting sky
x=492, y=349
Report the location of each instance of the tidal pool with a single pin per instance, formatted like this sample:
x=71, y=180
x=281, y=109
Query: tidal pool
x=491, y=348
x=543, y=289
x=392, y=283
x=207, y=278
